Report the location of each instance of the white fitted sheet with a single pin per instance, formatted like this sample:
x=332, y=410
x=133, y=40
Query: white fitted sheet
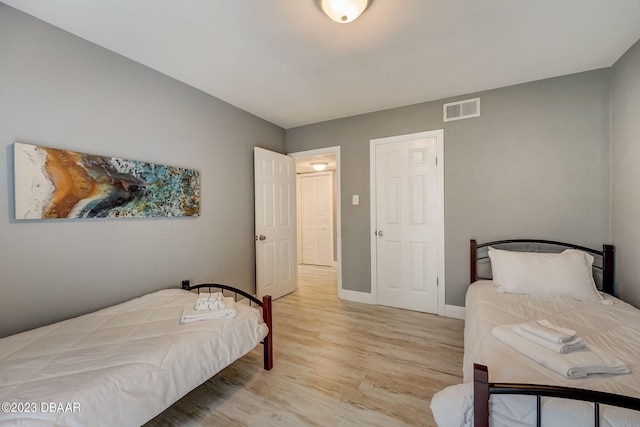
x=614, y=329
x=122, y=365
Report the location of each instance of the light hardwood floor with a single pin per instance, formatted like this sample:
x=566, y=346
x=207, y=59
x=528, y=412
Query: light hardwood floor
x=337, y=363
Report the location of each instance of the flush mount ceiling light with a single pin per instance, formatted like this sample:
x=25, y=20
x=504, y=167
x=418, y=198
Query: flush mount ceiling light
x=319, y=166
x=343, y=11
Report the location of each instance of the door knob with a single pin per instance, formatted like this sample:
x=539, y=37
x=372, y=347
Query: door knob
x=380, y=233
x=262, y=237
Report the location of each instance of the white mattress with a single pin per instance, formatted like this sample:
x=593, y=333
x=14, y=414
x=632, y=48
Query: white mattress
x=119, y=366
x=614, y=329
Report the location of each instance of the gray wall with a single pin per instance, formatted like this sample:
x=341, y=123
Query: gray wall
x=61, y=91
x=625, y=173
x=535, y=164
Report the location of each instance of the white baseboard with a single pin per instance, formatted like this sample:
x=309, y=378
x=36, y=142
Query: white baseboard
x=355, y=296
x=454, y=311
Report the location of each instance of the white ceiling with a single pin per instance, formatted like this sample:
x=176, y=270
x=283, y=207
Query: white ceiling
x=286, y=62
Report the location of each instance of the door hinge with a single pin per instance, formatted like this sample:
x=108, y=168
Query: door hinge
x=437, y=281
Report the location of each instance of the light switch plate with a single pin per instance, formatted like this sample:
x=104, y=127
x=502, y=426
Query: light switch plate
x=356, y=199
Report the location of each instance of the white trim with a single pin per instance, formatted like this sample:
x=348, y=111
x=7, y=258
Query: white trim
x=331, y=150
x=373, y=203
x=355, y=296
x=439, y=134
x=440, y=176
x=454, y=311
x=298, y=225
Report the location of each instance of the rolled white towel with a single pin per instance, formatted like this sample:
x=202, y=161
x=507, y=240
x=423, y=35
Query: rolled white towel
x=190, y=314
x=562, y=348
x=549, y=331
x=210, y=302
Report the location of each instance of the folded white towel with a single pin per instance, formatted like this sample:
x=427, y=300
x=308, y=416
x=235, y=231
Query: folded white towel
x=190, y=314
x=563, y=347
x=549, y=331
x=577, y=364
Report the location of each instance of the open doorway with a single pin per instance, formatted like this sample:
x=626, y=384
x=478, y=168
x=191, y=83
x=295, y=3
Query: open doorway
x=318, y=213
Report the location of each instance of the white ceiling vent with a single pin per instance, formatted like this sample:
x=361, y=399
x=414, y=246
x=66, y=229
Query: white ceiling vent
x=461, y=109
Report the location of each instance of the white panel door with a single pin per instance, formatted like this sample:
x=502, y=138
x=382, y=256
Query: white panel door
x=275, y=228
x=316, y=193
x=407, y=227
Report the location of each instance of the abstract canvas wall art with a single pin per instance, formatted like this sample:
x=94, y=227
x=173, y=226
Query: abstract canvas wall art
x=53, y=183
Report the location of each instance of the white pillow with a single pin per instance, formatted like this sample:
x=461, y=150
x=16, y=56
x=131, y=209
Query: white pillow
x=567, y=274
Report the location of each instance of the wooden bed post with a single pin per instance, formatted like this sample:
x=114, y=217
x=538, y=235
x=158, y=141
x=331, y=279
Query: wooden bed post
x=608, y=268
x=268, y=340
x=480, y=396
x=472, y=264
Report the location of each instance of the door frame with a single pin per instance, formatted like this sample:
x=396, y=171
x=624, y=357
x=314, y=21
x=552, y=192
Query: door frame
x=337, y=199
x=373, y=143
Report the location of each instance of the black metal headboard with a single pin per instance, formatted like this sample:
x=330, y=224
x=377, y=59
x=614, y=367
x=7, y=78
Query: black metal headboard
x=603, y=265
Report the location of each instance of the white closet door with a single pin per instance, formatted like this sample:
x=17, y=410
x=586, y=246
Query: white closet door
x=407, y=227
x=316, y=193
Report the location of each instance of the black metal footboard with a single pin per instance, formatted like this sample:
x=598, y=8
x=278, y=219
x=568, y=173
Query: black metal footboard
x=266, y=312
x=483, y=389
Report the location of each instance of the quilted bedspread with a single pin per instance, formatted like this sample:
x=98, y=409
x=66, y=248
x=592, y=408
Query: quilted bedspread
x=119, y=366
x=613, y=329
